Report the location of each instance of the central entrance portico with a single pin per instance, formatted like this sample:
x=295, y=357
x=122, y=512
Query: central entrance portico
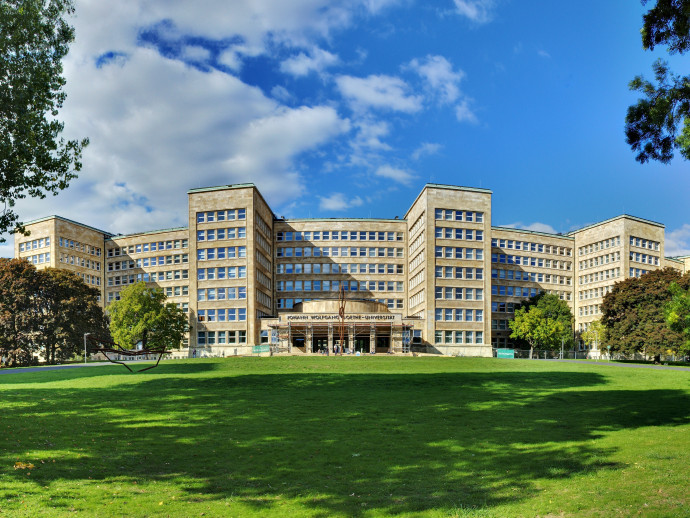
x=314, y=327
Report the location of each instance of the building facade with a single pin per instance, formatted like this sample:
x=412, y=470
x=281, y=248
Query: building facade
x=441, y=276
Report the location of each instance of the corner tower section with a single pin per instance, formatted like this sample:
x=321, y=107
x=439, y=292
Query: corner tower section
x=230, y=239
x=449, y=233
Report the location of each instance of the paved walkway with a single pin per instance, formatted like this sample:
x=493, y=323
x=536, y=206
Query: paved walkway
x=630, y=365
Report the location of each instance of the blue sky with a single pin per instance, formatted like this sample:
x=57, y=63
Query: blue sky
x=339, y=108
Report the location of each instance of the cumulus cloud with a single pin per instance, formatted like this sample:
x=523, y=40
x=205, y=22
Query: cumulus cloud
x=426, y=149
x=380, y=92
x=338, y=202
x=395, y=174
x=535, y=227
x=464, y=113
x=437, y=72
x=316, y=60
x=479, y=11
x=677, y=241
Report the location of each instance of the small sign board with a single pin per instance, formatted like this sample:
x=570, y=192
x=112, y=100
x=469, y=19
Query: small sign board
x=261, y=349
x=505, y=353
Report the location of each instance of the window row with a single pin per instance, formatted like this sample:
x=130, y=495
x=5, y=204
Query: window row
x=531, y=247
x=644, y=258
x=637, y=272
x=263, y=226
x=335, y=235
x=232, y=293
x=514, y=291
x=418, y=225
x=34, y=244
x=335, y=251
x=221, y=215
x=153, y=246
x=459, y=215
x=458, y=315
x=459, y=233
x=600, y=245
x=308, y=268
x=229, y=272
x=536, y=262
x=212, y=254
x=419, y=241
x=176, y=291
x=586, y=311
x=263, y=243
x=503, y=307
x=416, y=280
x=93, y=280
x=599, y=260
x=79, y=247
x=417, y=299
x=458, y=272
x=500, y=325
x=264, y=299
x=452, y=293
x=459, y=337
x=41, y=258
x=603, y=275
x=335, y=285
x=77, y=261
x=221, y=337
x=594, y=293
x=146, y=262
x=221, y=233
x=222, y=315
x=644, y=243
x=450, y=252
x=150, y=277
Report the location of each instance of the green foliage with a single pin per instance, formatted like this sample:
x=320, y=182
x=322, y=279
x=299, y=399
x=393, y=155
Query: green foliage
x=677, y=314
x=595, y=333
x=633, y=313
x=34, y=159
x=543, y=321
x=142, y=316
x=660, y=122
x=69, y=309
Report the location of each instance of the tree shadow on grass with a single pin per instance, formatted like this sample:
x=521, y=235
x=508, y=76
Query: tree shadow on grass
x=339, y=443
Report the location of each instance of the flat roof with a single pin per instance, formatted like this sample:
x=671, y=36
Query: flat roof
x=222, y=187
x=358, y=220
x=46, y=218
x=536, y=232
x=174, y=229
x=622, y=216
x=678, y=259
x=448, y=187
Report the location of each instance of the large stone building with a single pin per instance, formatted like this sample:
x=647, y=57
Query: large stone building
x=442, y=276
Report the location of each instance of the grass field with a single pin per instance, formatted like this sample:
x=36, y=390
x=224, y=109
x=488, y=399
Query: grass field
x=346, y=436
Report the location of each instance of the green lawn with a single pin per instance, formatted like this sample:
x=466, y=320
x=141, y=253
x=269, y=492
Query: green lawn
x=347, y=436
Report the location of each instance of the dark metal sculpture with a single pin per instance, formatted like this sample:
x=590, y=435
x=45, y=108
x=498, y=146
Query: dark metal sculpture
x=105, y=347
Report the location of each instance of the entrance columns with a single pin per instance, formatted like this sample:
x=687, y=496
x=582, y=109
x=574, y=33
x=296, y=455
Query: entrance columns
x=330, y=337
x=372, y=339
x=308, y=338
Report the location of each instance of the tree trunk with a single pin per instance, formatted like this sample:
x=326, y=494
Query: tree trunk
x=531, y=350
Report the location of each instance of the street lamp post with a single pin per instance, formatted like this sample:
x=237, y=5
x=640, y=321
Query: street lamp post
x=85, y=335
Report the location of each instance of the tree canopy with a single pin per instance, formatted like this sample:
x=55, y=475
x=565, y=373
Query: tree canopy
x=594, y=334
x=660, y=121
x=34, y=158
x=142, y=316
x=677, y=314
x=542, y=321
x=44, y=312
x=633, y=313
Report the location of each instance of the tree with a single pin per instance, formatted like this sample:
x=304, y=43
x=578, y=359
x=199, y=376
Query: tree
x=142, y=316
x=34, y=158
x=677, y=314
x=69, y=309
x=660, y=122
x=594, y=334
x=633, y=313
x=20, y=322
x=543, y=320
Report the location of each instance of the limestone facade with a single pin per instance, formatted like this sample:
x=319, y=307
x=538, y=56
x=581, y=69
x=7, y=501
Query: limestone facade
x=441, y=276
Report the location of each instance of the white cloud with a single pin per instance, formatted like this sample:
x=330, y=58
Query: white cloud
x=479, y=11
x=426, y=149
x=281, y=93
x=535, y=227
x=379, y=91
x=397, y=175
x=302, y=64
x=464, y=113
x=438, y=74
x=543, y=54
x=677, y=241
x=338, y=202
